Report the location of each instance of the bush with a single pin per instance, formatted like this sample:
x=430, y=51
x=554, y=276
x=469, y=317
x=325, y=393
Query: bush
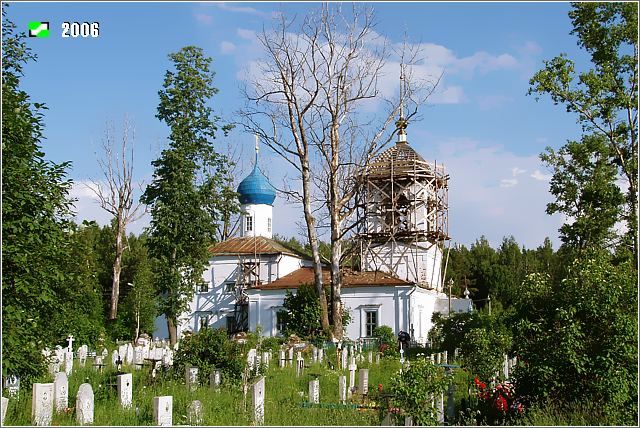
x=414, y=389
x=209, y=349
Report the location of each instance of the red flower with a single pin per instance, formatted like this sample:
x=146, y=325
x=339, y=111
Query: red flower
x=379, y=387
x=501, y=404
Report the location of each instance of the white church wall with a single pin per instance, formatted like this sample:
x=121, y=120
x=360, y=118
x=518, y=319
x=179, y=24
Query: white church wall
x=423, y=305
x=261, y=220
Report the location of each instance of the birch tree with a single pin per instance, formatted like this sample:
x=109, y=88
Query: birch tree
x=306, y=101
x=115, y=195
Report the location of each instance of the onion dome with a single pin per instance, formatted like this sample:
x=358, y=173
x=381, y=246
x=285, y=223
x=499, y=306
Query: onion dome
x=256, y=188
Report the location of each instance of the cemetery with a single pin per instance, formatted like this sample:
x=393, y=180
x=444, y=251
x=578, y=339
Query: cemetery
x=333, y=276
x=277, y=384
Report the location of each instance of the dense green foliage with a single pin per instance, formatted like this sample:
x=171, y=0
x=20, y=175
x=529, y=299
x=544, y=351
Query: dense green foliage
x=46, y=293
x=577, y=337
x=416, y=387
x=209, y=349
x=190, y=190
x=605, y=100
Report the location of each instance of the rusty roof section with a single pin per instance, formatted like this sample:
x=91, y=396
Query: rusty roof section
x=248, y=245
x=350, y=279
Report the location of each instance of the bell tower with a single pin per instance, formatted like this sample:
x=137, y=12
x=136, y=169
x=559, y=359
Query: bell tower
x=405, y=213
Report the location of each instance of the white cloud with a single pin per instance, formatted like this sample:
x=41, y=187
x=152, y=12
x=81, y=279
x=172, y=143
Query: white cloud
x=515, y=171
x=448, y=95
x=203, y=18
x=540, y=176
x=227, y=47
x=478, y=204
x=508, y=182
x=87, y=207
x=246, y=34
x=232, y=7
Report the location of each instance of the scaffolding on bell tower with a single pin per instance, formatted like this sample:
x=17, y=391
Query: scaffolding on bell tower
x=404, y=220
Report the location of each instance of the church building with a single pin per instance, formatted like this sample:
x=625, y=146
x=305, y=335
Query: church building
x=404, y=225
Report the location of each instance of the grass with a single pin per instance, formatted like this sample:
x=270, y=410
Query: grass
x=228, y=406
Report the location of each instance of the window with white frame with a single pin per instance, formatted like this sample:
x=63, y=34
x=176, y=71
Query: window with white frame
x=370, y=321
x=204, y=287
x=280, y=321
x=204, y=321
x=248, y=223
x=269, y=224
x=229, y=286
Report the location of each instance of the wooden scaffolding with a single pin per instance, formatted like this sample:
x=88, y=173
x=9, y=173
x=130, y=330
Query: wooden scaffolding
x=405, y=209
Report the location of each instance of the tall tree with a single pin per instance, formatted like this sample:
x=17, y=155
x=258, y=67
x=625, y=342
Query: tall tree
x=186, y=197
x=605, y=99
x=316, y=76
x=116, y=196
x=35, y=218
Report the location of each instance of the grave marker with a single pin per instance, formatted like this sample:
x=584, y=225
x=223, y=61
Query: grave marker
x=290, y=359
x=70, y=340
x=61, y=391
x=215, y=379
x=505, y=367
x=440, y=408
x=251, y=359
x=163, y=410
x=114, y=358
x=82, y=354
x=129, y=354
x=12, y=384
x=299, y=364
x=314, y=354
x=352, y=378
x=68, y=362
x=5, y=403
x=363, y=382
x=191, y=375
x=84, y=405
x=42, y=404
x=194, y=413
x=314, y=391
x=370, y=357
x=345, y=353
x=266, y=356
x=342, y=388
x=125, y=390
x=258, y=401
x=282, y=360
x=445, y=357
x=320, y=355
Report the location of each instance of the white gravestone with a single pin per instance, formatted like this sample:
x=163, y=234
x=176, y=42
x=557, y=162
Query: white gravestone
x=61, y=391
x=290, y=357
x=440, y=408
x=342, y=389
x=251, y=359
x=138, y=358
x=129, y=354
x=194, y=413
x=191, y=376
x=82, y=354
x=370, y=357
x=42, y=404
x=320, y=355
x=438, y=358
x=84, y=405
x=299, y=364
x=266, y=356
x=163, y=410
x=352, y=378
x=258, y=401
x=363, y=382
x=70, y=339
x=5, y=403
x=314, y=354
x=345, y=354
x=215, y=379
x=105, y=353
x=125, y=390
x=282, y=360
x=505, y=367
x=314, y=391
x=68, y=362
x=115, y=356
x=12, y=384
x=122, y=351
x=445, y=357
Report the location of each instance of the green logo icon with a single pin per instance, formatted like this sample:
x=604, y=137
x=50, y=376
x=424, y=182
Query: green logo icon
x=38, y=29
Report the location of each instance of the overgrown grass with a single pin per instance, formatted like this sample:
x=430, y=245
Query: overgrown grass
x=285, y=393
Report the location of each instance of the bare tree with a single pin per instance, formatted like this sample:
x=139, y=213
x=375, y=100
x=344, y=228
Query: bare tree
x=309, y=91
x=115, y=195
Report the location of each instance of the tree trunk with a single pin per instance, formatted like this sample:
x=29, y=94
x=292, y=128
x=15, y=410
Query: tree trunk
x=117, y=267
x=336, y=287
x=336, y=231
x=313, y=242
x=173, y=330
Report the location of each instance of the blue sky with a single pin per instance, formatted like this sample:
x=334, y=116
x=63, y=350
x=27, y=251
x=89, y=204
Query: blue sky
x=480, y=122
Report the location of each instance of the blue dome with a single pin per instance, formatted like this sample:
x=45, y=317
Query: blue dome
x=256, y=189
